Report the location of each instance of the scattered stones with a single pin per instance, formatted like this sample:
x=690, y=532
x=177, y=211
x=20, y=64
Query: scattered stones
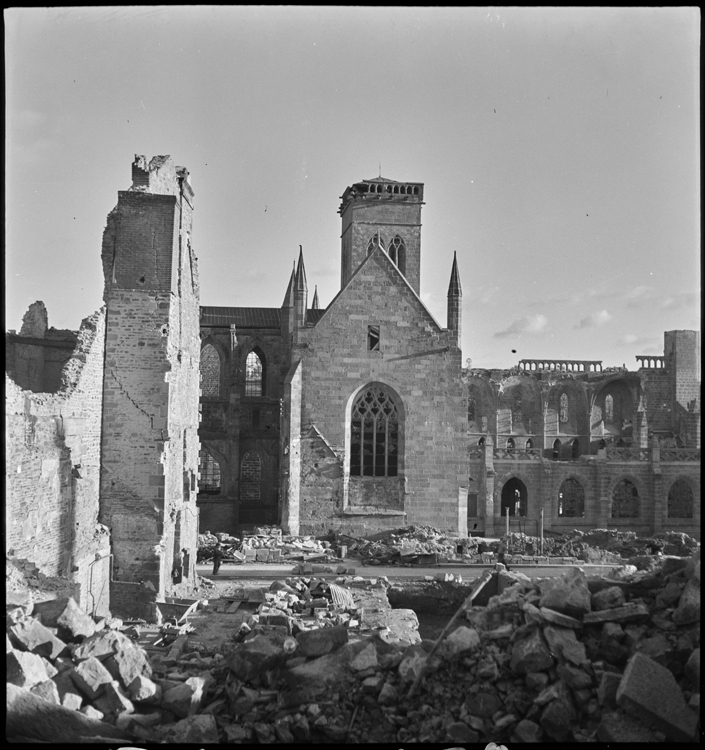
x=568, y=594
x=531, y=654
x=461, y=641
x=563, y=644
x=321, y=641
x=72, y=622
x=25, y=669
x=253, y=657
x=608, y=598
x=632, y=612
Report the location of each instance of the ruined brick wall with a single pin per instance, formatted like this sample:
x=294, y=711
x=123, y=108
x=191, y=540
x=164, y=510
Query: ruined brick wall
x=53, y=470
x=682, y=354
x=418, y=362
x=150, y=415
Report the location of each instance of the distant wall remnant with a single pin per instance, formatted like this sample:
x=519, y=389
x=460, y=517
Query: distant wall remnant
x=52, y=456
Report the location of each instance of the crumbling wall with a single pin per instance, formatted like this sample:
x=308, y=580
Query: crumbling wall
x=150, y=415
x=53, y=470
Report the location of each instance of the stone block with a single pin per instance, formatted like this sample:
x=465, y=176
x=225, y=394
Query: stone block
x=366, y=658
x=692, y=669
x=48, y=691
x=90, y=677
x=657, y=647
x=461, y=641
x=568, y=594
x=102, y=644
x=632, y=612
x=144, y=690
x=536, y=680
x=114, y=700
x=31, y=635
x=68, y=694
x=388, y=695
x=412, y=662
x=185, y=699
x=558, y=618
x=127, y=664
x=559, y=717
x=574, y=678
x=649, y=692
x=483, y=704
x=459, y=731
x=688, y=610
x=530, y=653
x=608, y=598
x=321, y=675
x=200, y=729
x=527, y=731
x=65, y=615
x=607, y=689
x=563, y=644
x=92, y=712
x=25, y=669
x=321, y=640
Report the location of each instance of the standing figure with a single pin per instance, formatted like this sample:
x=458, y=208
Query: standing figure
x=217, y=557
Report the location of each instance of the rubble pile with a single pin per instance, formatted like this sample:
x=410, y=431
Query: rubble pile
x=608, y=659
x=25, y=583
x=264, y=545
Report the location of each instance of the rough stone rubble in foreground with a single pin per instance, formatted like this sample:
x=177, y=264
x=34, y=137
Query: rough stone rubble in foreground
x=611, y=659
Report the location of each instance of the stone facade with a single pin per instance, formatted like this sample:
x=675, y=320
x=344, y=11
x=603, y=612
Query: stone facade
x=532, y=428
x=562, y=437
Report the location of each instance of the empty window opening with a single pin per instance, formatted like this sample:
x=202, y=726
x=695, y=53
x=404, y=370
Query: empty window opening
x=514, y=498
x=374, y=441
x=680, y=500
x=481, y=442
x=210, y=371
x=574, y=449
x=373, y=338
x=571, y=499
x=254, y=375
x=625, y=500
x=208, y=474
x=510, y=445
x=556, y=453
x=517, y=418
x=529, y=444
x=564, y=408
x=397, y=253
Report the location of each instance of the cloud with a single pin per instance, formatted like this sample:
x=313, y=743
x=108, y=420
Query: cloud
x=646, y=296
x=643, y=342
x=530, y=324
x=483, y=296
x=596, y=319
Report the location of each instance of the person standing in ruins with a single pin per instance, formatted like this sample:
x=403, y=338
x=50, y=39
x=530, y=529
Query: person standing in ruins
x=217, y=558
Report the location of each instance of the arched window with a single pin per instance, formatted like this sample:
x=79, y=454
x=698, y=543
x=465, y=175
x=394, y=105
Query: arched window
x=510, y=445
x=609, y=408
x=481, y=442
x=254, y=375
x=680, y=500
x=375, y=240
x=555, y=455
x=374, y=441
x=529, y=444
x=571, y=499
x=574, y=449
x=514, y=498
x=210, y=371
x=625, y=500
x=564, y=407
x=208, y=474
x=397, y=253
x=472, y=408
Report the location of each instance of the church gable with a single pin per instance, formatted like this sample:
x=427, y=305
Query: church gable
x=379, y=297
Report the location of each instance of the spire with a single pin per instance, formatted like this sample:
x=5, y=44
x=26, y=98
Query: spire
x=454, y=289
x=289, y=296
x=301, y=285
x=455, y=304
x=314, y=304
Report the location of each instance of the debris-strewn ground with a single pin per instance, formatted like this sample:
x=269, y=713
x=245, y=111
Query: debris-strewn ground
x=307, y=660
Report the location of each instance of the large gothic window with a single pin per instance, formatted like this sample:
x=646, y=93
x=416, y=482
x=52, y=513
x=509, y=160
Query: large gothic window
x=609, y=408
x=397, y=253
x=564, y=407
x=374, y=440
x=625, y=500
x=208, y=474
x=680, y=500
x=571, y=499
x=254, y=375
x=210, y=371
x=375, y=240
x=472, y=408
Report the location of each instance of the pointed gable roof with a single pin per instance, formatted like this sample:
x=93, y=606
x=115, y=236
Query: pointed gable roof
x=381, y=253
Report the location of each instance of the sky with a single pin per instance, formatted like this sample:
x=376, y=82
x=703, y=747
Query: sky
x=559, y=149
